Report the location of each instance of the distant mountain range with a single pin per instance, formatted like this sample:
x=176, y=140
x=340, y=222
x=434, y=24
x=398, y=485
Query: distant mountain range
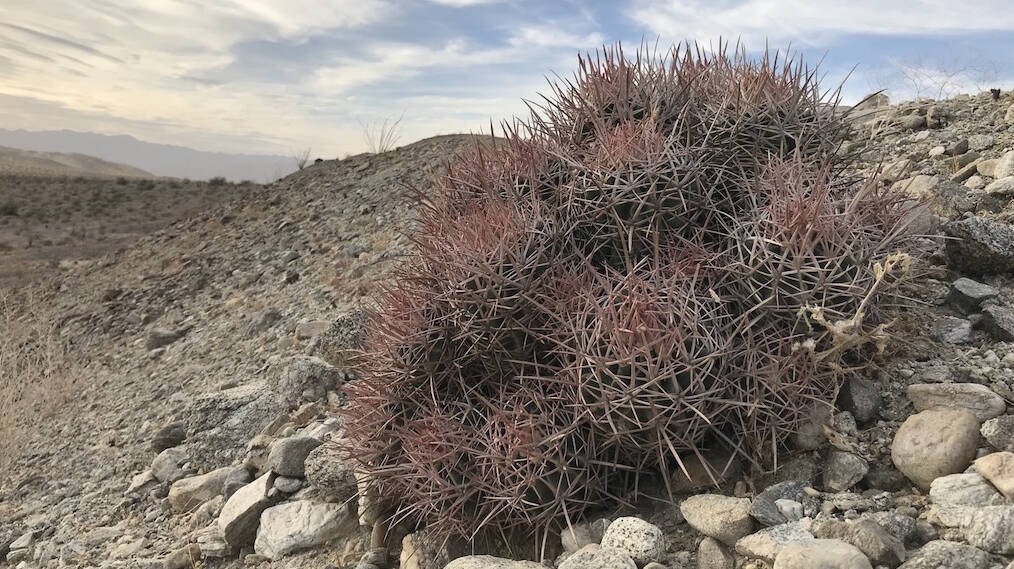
x=36, y=163
x=158, y=159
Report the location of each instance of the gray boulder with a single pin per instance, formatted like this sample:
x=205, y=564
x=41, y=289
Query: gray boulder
x=287, y=456
x=821, y=554
x=241, y=514
x=942, y=554
x=597, y=557
x=721, y=517
x=978, y=399
x=980, y=246
x=299, y=525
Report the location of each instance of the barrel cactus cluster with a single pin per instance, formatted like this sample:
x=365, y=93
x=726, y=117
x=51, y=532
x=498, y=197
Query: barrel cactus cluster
x=667, y=257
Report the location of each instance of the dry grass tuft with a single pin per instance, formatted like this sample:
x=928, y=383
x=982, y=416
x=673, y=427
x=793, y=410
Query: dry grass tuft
x=36, y=374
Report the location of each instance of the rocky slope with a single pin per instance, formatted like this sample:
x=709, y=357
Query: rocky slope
x=211, y=353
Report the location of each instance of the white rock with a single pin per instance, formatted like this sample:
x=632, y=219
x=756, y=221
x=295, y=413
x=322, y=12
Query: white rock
x=991, y=529
x=964, y=489
x=490, y=562
x=241, y=514
x=978, y=399
x=935, y=443
x=597, y=557
x=1004, y=166
x=721, y=517
x=299, y=525
x=188, y=493
x=998, y=469
x=642, y=541
x=821, y=554
x=768, y=542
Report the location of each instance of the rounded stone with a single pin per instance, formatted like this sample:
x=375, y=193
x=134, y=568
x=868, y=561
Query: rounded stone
x=721, y=517
x=935, y=443
x=642, y=541
x=821, y=554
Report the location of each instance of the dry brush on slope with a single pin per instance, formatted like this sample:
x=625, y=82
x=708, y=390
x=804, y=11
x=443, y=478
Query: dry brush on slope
x=666, y=258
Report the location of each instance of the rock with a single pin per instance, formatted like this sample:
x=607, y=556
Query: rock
x=25, y=541
x=223, y=421
x=1004, y=166
x=897, y=170
x=935, y=443
x=1008, y=117
x=241, y=514
x=980, y=142
x=130, y=549
x=821, y=554
x=288, y=485
x=766, y=543
x=640, y=540
x=978, y=399
x=207, y=513
x=765, y=509
x=721, y=517
x=964, y=489
x=967, y=295
x=953, y=330
x=957, y=148
x=980, y=246
x=942, y=554
x=299, y=525
x=943, y=197
x=967, y=171
x=238, y=477
x=597, y=557
x=169, y=436
x=306, y=378
x=329, y=468
x=580, y=535
x=263, y=320
x=711, y=554
x=189, y=493
x=490, y=562
x=421, y=550
x=791, y=509
x=986, y=167
x=287, y=456
x=167, y=466
x=1001, y=189
x=874, y=541
x=999, y=432
x=161, y=337
x=912, y=122
x=183, y=558
x=843, y=470
x=998, y=321
x=861, y=397
x=991, y=529
x=72, y=553
x=141, y=482
x=311, y=329
x=998, y=469
x=342, y=337
x=975, y=181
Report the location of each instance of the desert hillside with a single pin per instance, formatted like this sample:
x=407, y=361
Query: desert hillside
x=49, y=222
x=205, y=360
x=14, y=161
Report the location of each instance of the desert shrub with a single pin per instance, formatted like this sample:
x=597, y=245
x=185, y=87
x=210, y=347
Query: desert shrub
x=36, y=374
x=666, y=259
x=217, y=181
x=146, y=184
x=121, y=181
x=8, y=209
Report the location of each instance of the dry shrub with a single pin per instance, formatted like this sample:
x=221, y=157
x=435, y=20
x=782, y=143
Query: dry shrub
x=36, y=374
x=665, y=260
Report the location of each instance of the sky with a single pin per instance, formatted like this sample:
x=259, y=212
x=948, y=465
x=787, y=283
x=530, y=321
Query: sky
x=280, y=76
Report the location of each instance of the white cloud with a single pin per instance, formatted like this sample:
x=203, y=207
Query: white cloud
x=465, y=3
x=553, y=36
x=816, y=21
